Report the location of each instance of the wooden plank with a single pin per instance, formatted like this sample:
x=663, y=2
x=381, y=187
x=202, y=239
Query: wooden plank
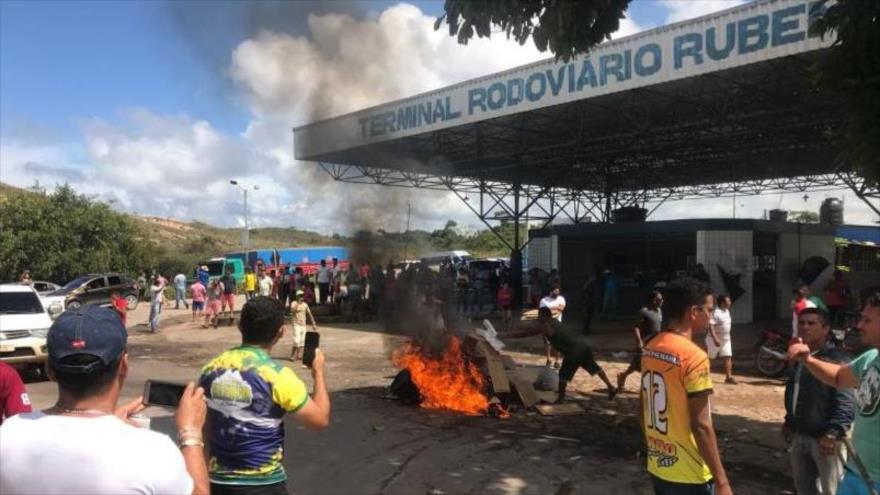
x=500, y=382
x=525, y=391
x=509, y=363
x=564, y=409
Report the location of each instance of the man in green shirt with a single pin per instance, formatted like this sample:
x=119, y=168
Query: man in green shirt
x=862, y=374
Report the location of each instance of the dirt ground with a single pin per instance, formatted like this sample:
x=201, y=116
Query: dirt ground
x=378, y=446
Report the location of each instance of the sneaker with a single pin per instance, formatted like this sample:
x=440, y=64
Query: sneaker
x=730, y=381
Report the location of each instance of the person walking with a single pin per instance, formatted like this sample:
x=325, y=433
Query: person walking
x=862, y=374
x=649, y=324
x=180, y=291
x=682, y=451
x=228, y=293
x=215, y=296
x=817, y=416
x=300, y=311
x=718, y=340
x=157, y=299
x=199, y=293
x=246, y=423
x=142, y=285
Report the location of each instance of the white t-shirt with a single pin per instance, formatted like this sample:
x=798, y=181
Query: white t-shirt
x=324, y=275
x=721, y=323
x=266, y=286
x=49, y=454
x=555, y=304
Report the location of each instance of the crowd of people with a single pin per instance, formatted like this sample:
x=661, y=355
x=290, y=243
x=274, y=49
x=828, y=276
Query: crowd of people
x=832, y=400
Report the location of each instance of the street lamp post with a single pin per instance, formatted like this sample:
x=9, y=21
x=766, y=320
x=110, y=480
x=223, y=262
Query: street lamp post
x=246, y=237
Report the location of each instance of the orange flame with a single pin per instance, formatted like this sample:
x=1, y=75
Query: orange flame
x=448, y=382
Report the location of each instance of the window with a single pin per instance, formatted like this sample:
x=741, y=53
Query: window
x=114, y=280
x=97, y=283
x=20, y=303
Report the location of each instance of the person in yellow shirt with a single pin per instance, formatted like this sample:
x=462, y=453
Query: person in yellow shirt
x=682, y=452
x=250, y=283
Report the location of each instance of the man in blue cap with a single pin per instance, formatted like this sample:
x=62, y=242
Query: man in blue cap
x=86, y=438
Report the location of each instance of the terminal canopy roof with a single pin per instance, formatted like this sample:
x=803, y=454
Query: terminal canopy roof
x=717, y=105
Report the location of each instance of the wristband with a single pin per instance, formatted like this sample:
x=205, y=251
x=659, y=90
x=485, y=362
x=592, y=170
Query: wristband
x=191, y=442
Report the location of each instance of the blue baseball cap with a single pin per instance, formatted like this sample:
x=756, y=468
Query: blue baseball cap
x=90, y=330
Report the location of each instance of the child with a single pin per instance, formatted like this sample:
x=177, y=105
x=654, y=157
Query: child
x=120, y=305
x=504, y=297
x=576, y=353
x=198, y=292
x=300, y=310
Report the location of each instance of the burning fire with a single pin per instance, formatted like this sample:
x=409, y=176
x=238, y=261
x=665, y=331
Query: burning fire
x=448, y=382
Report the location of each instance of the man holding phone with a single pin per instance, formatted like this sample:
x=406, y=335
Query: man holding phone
x=248, y=396
x=86, y=439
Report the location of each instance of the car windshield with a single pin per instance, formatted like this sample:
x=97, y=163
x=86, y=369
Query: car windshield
x=215, y=269
x=20, y=303
x=73, y=284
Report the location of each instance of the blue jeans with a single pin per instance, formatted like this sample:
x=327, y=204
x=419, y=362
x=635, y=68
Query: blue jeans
x=853, y=484
x=180, y=296
x=155, y=311
x=663, y=487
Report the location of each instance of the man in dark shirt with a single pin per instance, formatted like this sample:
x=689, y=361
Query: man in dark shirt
x=228, y=291
x=576, y=352
x=817, y=416
x=649, y=323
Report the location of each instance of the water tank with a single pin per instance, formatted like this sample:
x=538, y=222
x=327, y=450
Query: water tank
x=629, y=214
x=778, y=216
x=831, y=212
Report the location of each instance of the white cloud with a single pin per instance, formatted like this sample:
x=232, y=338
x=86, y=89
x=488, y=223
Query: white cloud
x=680, y=10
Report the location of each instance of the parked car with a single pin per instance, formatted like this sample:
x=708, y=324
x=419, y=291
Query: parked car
x=43, y=288
x=24, y=324
x=95, y=288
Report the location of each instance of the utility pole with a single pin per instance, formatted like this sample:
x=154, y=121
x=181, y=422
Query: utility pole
x=406, y=234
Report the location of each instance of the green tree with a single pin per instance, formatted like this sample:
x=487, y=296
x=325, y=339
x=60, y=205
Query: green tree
x=804, y=216
x=61, y=235
x=565, y=27
x=852, y=67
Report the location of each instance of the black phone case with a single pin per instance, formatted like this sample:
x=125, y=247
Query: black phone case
x=313, y=339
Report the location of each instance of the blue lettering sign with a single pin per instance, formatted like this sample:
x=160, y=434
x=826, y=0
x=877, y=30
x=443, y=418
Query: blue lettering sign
x=536, y=94
x=712, y=44
x=781, y=25
x=688, y=45
x=643, y=70
x=752, y=34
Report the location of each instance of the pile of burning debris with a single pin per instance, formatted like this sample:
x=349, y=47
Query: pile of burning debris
x=469, y=376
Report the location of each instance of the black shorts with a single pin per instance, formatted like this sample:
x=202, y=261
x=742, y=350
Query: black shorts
x=583, y=359
x=636, y=362
x=273, y=489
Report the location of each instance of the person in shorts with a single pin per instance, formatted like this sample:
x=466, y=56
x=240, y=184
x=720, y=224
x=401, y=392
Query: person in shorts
x=198, y=292
x=228, y=292
x=504, y=300
x=299, y=311
x=576, y=352
x=215, y=295
x=649, y=323
x=718, y=341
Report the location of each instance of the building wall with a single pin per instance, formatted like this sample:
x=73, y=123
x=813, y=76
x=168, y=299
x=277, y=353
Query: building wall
x=789, y=259
x=732, y=249
x=541, y=253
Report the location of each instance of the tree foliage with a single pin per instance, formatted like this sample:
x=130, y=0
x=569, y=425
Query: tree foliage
x=565, y=27
x=852, y=67
x=61, y=235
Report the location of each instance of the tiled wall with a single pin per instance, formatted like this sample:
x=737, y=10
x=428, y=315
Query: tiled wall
x=732, y=249
x=540, y=253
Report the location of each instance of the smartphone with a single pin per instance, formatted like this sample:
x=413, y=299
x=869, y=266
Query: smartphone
x=165, y=394
x=312, y=341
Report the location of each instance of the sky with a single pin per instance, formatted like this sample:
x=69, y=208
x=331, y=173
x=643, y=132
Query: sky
x=154, y=106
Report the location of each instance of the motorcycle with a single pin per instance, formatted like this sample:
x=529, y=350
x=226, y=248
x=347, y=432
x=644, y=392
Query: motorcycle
x=770, y=353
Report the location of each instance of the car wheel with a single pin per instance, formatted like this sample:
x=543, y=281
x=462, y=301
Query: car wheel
x=74, y=304
x=131, y=301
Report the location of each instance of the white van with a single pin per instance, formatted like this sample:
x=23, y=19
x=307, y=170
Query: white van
x=24, y=325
